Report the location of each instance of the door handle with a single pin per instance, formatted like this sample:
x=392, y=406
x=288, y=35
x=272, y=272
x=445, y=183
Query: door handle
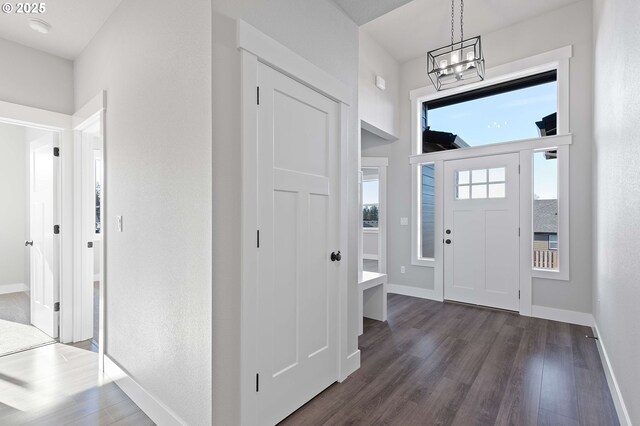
x=448, y=231
x=448, y=241
x=28, y=243
x=336, y=256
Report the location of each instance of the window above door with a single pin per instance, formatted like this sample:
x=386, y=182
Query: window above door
x=518, y=109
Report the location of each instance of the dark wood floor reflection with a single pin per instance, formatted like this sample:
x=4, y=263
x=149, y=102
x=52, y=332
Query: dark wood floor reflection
x=442, y=363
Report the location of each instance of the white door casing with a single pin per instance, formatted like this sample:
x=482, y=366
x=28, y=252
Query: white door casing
x=481, y=250
x=298, y=218
x=44, y=251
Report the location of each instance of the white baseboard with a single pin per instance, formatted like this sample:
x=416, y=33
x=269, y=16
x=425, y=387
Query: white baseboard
x=406, y=290
x=616, y=395
x=96, y=277
x=352, y=363
x=152, y=407
x=13, y=288
x=371, y=257
x=554, y=314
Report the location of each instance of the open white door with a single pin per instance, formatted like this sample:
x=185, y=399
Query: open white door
x=43, y=239
x=481, y=231
x=298, y=212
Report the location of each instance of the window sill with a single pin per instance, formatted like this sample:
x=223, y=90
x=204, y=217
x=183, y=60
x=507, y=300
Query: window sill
x=429, y=263
x=550, y=275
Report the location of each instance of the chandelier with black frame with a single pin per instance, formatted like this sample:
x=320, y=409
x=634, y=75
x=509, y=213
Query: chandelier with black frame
x=458, y=63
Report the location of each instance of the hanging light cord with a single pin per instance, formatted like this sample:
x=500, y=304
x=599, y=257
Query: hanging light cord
x=461, y=20
x=452, y=22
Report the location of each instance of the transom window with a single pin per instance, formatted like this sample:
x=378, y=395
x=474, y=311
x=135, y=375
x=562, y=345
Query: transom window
x=481, y=183
x=524, y=108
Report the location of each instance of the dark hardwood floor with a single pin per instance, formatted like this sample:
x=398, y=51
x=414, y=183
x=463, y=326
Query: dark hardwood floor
x=442, y=363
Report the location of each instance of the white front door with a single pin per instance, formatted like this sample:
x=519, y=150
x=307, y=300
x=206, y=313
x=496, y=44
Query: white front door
x=481, y=220
x=44, y=245
x=298, y=207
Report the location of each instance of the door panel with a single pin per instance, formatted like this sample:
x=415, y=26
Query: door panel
x=298, y=220
x=44, y=250
x=482, y=211
x=285, y=289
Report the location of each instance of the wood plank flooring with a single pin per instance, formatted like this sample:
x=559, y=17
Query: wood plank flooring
x=448, y=364
x=60, y=385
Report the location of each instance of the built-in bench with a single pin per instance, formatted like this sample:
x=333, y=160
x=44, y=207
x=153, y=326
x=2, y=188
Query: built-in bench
x=373, y=297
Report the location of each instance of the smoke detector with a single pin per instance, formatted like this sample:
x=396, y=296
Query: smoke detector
x=39, y=25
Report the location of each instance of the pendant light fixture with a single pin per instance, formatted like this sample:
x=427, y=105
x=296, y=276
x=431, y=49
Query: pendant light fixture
x=458, y=63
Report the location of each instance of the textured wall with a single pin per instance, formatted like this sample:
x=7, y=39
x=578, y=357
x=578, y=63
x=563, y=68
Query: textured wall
x=13, y=213
x=154, y=60
x=617, y=181
x=35, y=78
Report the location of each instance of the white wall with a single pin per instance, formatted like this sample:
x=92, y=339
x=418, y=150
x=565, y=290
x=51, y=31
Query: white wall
x=570, y=25
x=14, y=215
x=321, y=33
x=370, y=243
x=617, y=208
x=378, y=108
x=34, y=78
x=154, y=60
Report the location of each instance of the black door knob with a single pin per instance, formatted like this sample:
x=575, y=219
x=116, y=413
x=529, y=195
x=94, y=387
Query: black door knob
x=336, y=256
x=448, y=231
x=448, y=241
x=28, y=243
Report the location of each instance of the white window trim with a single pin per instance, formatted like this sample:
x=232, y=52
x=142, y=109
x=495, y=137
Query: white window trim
x=563, y=219
x=558, y=60
x=381, y=164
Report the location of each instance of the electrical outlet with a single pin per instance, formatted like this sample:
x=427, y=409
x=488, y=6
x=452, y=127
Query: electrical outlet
x=402, y=269
x=404, y=221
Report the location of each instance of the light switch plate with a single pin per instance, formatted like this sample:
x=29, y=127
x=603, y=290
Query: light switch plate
x=404, y=221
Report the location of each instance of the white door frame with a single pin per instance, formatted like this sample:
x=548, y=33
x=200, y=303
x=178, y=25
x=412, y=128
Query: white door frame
x=525, y=148
x=254, y=47
x=91, y=113
x=11, y=113
x=381, y=164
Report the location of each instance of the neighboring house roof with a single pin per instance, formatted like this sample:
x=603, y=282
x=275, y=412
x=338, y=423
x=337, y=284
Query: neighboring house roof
x=545, y=216
x=434, y=140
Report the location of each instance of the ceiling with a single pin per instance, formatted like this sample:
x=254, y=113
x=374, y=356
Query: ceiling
x=73, y=25
x=363, y=11
x=421, y=25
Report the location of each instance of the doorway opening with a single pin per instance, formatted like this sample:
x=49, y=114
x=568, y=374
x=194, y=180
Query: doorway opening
x=89, y=238
x=29, y=240
x=482, y=231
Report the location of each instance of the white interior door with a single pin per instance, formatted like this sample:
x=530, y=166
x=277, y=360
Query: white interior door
x=44, y=245
x=481, y=220
x=298, y=207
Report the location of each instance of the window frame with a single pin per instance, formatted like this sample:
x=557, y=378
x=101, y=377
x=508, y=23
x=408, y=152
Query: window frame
x=558, y=60
x=377, y=228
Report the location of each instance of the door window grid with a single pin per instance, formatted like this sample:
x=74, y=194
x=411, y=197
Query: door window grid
x=481, y=183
